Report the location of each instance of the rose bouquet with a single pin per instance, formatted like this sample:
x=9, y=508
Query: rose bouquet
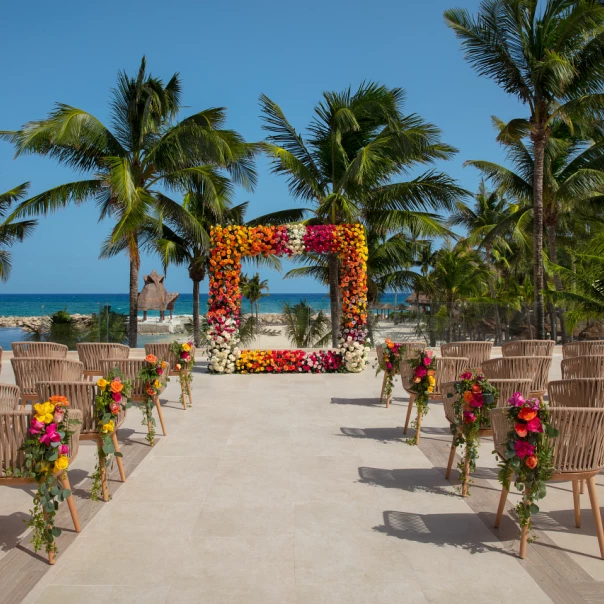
x=528, y=453
x=392, y=355
x=154, y=375
x=186, y=360
x=46, y=452
x=472, y=407
x=423, y=382
x=113, y=397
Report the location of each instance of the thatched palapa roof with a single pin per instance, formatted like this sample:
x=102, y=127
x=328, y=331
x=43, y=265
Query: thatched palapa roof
x=153, y=295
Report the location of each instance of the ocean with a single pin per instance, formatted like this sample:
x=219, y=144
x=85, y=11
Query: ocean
x=33, y=305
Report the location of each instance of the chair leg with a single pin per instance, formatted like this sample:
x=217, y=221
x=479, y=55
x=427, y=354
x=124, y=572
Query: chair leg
x=451, y=458
x=161, y=415
x=595, y=508
x=71, y=503
x=120, y=463
x=577, y=503
x=502, y=499
x=418, y=432
x=189, y=393
x=523, y=541
x=582, y=483
x=409, y=410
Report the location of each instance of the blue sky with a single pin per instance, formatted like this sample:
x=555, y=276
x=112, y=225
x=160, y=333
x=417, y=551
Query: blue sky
x=227, y=53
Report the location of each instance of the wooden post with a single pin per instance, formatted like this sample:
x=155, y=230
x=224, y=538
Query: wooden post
x=104, y=488
x=451, y=458
x=577, y=503
x=51, y=554
x=419, y=427
x=161, y=415
x=502, y=500
x=120, y=465
x=466, y=469
x=595, y=508
x=70, y=502
x=189, y=392
x=182, y=393
x=409, y=410
x=523, y=541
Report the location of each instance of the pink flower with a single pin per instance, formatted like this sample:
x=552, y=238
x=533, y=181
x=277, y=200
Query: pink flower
x=516, y=400
x=116, y=396
x=477, y=400
x=429, y=353
x=534, y=425
x=63, y=450
x=57, y=418
x=523, y=448
x=420, y=371
x=36, y=426
x=427, y=361
x=160, y=371
x=114, y=408
x=467, y=375
x=117, y=379
x=469, y=417
x=389, y=365
x=51, y=435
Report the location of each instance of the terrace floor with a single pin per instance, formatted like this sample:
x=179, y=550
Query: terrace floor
x=296, y=489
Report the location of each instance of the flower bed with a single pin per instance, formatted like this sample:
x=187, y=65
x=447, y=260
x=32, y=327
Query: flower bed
x=230, y=244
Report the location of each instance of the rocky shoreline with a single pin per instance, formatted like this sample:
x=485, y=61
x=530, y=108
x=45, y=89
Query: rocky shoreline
x=37, y=323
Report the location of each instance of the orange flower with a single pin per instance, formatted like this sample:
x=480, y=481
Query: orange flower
x=59, y=401
x=150, y=391
x=531, y=461
x=117, y=386
x=521, y=430
x=476, y=388
x=527, y=414
x=431, y=372
x=151, y=358
x=467, y=396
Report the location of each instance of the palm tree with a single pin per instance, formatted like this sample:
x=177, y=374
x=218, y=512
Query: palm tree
x=252, y=289
x=573, y=182
x=489, y=211
x=358, y=143
x=302, y=327
x=549, y=55
x=12, y=232
x=458, y=274
x=131, y=167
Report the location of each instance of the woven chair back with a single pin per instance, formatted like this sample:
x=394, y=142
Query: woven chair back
x=14, y=426
x=0, y=359
x=583, y=349
x=129, y=370
x=9, y=397
x=39, y=349
x=445, y=370
x=582, y=367
x=579, y=392
x=579, y=447
x=528, y=348
x=91, y=353
x=475, y=352
x=164, y=353
x=535, y=368
x=29, y=371
x=379, y=350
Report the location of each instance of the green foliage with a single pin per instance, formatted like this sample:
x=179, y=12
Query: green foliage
x=303, y=327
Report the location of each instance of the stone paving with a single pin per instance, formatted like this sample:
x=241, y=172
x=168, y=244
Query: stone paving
x=300, y=489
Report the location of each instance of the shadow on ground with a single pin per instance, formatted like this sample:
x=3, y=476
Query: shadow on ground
x=383, y=435
x=412, y=480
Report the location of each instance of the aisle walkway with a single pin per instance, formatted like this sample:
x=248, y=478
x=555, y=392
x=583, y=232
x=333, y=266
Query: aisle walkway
x=286, y=489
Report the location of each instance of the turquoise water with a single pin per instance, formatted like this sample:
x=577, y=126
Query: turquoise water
x=32, y=305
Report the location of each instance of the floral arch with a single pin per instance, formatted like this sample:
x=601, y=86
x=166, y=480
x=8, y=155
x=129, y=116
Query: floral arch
x=232, y=243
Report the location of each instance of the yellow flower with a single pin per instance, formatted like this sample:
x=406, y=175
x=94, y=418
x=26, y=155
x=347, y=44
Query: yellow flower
x=62, y=463
x=157, y=384
x=430, y=388
x=108, y=427
x=102, y=383
x=44, y=466
x=44, y=412
x=186, y=347
x=164, y=364
x=431, y=380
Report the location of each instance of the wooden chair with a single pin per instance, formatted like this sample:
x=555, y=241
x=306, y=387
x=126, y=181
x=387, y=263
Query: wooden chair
x=582, y=367
x=39, y=350
x=82, y=395
x=475, y=352
x=533, y=367
x=0, y=359
x=583, y=349
x=528, y=348
x=579, y=392
x=164, y=352
x=578, y=455
x=129, y=369
x=14, y=426
x=411, y=348
x=9, y=397
x=506, y=389
x=91, y=353
x=28, y=371
x=445, y=370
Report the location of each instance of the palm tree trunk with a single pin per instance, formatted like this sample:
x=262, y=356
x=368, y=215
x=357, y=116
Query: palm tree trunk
x=334, y=297
x=133, y=318
x=196, y=322
x=553, y=256
x=450, y=315
x=493, y=294
x=538, y=138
